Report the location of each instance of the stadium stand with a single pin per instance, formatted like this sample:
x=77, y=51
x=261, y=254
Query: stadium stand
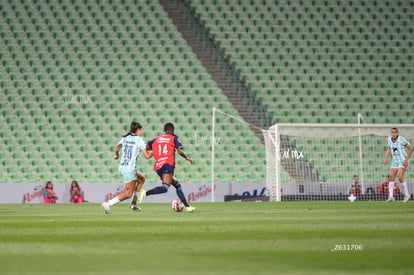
x=320, y=61
x=74, y=75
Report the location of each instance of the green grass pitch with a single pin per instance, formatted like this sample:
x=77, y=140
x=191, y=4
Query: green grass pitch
x=219, y=238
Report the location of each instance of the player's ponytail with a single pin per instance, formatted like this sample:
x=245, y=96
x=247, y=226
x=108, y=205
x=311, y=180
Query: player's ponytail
x=133, y=128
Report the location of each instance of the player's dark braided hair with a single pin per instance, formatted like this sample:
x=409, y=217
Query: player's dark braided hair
x=133, y=128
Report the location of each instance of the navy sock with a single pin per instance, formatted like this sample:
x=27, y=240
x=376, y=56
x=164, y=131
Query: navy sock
x=180, y=194
x=158, y=190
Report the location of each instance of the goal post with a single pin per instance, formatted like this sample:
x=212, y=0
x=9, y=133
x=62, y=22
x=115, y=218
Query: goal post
x=238, y=158
x=322, y=161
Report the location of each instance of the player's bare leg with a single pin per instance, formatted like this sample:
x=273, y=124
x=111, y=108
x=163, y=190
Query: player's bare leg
x=139, y=192
x=129, y=189
x=401, y=172
x=391, y=182
x=167, y=178
x=141, y=180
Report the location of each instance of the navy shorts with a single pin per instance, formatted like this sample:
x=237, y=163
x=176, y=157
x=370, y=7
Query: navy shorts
x=165, y=169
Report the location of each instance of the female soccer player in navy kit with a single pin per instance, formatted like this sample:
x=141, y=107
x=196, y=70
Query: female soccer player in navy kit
x=132, y=145
x=163, y=147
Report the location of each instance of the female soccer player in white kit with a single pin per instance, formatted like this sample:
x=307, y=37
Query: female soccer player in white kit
x=396, y=146
x=132, y=144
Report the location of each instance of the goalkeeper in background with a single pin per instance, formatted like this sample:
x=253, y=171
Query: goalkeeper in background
x=400, y=156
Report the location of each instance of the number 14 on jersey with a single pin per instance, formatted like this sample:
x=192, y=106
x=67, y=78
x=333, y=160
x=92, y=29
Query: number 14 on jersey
x=162, y=149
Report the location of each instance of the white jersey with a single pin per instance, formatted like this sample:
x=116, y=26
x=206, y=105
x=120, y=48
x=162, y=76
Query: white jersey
x=132, y=145
x=398, y=151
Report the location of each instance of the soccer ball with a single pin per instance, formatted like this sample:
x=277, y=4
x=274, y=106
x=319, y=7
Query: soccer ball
x=177, y=205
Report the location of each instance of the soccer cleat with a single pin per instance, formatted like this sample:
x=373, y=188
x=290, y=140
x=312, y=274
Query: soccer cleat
x=142, y=194
x=190, y=209
x=390, y=200
x=106, y=208
x=407, y=198
x=135, y=207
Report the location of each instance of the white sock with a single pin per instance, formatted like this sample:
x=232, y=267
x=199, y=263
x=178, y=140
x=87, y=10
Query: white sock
x=113, y=201
x=391, y=189
x=404, y=185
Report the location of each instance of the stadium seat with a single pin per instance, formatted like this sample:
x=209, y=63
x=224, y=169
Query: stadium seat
x=303, y=68
x=345, y=33
x=124, y=73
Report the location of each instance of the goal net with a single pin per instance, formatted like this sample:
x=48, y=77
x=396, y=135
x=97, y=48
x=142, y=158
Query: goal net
x=331, y=161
